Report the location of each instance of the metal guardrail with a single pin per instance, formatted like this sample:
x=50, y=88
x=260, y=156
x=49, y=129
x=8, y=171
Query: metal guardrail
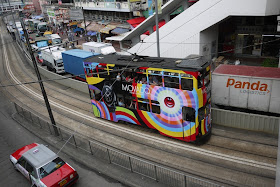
x=242, y=120
x=162, y=174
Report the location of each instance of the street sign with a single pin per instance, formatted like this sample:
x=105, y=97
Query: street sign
x=50, y=13
x=76, y=14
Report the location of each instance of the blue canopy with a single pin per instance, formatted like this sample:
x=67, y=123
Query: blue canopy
x=37, y=17
x=78, y=29
x=21, y=32
x=91, y=33
x=119, y=30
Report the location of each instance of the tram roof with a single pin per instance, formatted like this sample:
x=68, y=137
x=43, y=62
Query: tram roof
x=191, y=63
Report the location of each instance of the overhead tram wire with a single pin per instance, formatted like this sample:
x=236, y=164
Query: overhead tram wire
x=48, y=80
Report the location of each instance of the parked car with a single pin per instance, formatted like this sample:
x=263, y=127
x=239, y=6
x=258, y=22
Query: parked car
x=42, y=167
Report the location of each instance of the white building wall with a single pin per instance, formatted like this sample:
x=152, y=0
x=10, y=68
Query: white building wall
x=209, y=42
x=181, y=36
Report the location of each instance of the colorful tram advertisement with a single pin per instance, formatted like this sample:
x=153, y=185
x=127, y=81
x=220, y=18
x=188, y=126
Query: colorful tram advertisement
x=169, y=95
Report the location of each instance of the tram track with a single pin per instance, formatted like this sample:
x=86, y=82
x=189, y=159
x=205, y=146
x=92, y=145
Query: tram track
x=156, y=139
x=77, y=102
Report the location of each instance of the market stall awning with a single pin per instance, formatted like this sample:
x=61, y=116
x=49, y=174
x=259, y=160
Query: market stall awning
x=119, y=30
x=82, y=25
x=136, y=21
x=78, y=29
x=91, y=33
x=94, y=27
x=73, y=23
x=108, y=28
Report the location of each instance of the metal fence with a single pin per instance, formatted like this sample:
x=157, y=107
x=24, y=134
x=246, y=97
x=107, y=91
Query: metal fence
x=246, y=121
x=162, y=174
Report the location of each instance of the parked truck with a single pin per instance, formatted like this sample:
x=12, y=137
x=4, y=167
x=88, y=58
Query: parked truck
x=102, y=48
x=54, y=39
x=52, y=58
x=248, y=87
x=73, y=62
x=41, y=28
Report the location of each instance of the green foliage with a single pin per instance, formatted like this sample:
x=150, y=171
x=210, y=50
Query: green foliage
x=268, y=62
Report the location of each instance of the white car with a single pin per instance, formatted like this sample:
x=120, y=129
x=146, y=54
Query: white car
x=43, y=167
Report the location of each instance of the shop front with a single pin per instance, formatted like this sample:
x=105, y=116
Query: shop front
x=249, y=36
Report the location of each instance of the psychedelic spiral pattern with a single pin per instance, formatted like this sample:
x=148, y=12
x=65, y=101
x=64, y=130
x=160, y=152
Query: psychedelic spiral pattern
x=169, y=121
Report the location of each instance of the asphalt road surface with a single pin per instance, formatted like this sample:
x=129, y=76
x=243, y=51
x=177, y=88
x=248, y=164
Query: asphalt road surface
x=13, y=136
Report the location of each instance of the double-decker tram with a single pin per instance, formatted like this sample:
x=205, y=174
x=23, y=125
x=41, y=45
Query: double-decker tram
x=169, y=95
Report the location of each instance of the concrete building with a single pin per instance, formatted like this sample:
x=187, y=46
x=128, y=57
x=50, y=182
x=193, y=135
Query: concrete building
x=208, y=27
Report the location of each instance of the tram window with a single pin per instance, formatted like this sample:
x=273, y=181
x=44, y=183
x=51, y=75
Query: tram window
x=130, y=102
x=186, y=75
x=156, y=109
x=207, y=79
x=155, y=80
x=102, y=71
x=171, y=74
x=142, y=79
x=171, y=82
x=200, y=82
x=121, y=102
x=188, y=114
x=201, y=113
x=97, y=95
x=114, y=74
x=91, y=73
x=208, y=109
x=187, y=84
x=88, y=73
x=143, y=104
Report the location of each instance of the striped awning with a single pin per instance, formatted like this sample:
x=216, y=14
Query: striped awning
x=108, y=28
x=95, y=27
x=91, y=33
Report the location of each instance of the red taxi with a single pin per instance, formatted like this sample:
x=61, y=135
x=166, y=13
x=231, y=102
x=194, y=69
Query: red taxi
x=43, y=167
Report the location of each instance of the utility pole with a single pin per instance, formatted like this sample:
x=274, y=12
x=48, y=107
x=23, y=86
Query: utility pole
x=157, y=32
x=278, y=30
x=39, y=79
x=17, y=33
x=85, y=22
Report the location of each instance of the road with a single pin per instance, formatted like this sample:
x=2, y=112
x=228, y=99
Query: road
x=231, y=156
x=14, y=136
